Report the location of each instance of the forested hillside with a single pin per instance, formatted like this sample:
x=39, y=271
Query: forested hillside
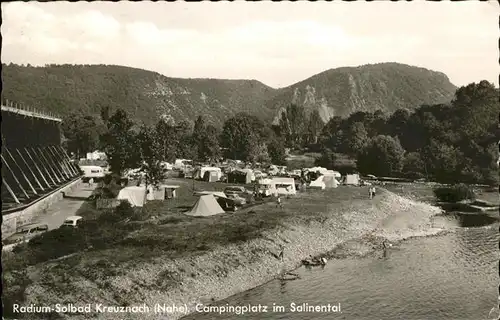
x=145, y=95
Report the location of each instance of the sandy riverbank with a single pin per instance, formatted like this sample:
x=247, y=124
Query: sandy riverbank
x=226, y=270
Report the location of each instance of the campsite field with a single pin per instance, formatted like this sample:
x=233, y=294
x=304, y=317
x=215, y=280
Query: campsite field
x=104, y=248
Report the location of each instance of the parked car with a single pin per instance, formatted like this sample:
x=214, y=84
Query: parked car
x=27, y=232
x=239, y=190
x=238, y=200
x=72, y=221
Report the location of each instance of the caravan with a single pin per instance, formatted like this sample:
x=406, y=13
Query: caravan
x=210, y=174
x=284, y=186
x=92, y=172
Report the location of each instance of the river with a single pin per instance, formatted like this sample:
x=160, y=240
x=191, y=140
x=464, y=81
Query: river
x=453, y=275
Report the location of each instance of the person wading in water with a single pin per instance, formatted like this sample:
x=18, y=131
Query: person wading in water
x=282, y=250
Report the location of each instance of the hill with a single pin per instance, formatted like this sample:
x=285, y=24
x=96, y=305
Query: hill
x=383, y=86
x=145, y=95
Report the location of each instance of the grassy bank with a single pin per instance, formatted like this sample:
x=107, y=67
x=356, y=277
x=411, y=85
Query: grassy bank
x=164, y=256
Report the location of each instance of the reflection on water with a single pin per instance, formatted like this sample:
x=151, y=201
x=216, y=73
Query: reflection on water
x=452, y=276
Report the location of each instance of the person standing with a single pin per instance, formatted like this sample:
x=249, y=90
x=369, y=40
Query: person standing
x=282, y=251
x=373, y=192
x=370, y=192
x=278, y=202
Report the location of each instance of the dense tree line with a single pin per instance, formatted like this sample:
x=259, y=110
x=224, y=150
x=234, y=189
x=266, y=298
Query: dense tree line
x=444, y=143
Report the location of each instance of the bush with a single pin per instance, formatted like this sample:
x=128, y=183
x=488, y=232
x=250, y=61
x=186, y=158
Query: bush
x=123, y=211
x=455, y=193
x=107, y=179
x=56, y=243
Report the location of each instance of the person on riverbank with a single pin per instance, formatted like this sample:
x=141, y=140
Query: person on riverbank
x=278, y=202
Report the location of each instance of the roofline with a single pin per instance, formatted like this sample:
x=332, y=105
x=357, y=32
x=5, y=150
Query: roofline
x=29, y=113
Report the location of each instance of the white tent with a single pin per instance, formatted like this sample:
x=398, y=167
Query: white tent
x=205, y=206
x=336, y=174
x=251, y=173
x=156, y=193
x=352, y=179
x=330, y=181
x=318, y=183
x=214, y=193
x=134, y=195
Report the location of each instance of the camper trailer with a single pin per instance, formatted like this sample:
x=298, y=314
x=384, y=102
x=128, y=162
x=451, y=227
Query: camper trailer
x=201, y=173
x=284, y=186
x=181, y=164
x=92, y=172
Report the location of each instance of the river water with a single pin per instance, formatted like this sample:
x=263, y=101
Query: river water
x=453, y=275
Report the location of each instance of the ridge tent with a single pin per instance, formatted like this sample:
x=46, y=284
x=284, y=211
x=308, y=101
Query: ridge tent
x=336, y=174
x=239, y=176
x=214, y=193
x=155, y=193
x=330, y=181
x=205, y=206
x=134, y=195
x=318, y=183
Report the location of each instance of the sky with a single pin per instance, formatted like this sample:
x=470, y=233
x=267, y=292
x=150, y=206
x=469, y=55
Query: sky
x=276, y=43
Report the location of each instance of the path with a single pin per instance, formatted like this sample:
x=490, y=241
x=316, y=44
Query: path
x=59, y=211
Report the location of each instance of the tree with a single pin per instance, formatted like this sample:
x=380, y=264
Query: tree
x=331, y=136
x=314, y=127
x=444, y=162
x=199, y=130
x=414, y=166
x=119, y=143
x=476, y=107
x=327, y=160
x=82, y=133
x=260, y=154
x=292, y=125
x=168, y=139
x=382, y=157
x=186, y=148
x=398, y=126
x=151, y=154
x=276, y=150
x=357, y=139
x=208, y=145
x=242, y=135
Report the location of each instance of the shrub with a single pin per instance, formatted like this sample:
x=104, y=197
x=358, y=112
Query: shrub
x=123, y=211
x=455, y=193
x=56, y=243
x=107, y=179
